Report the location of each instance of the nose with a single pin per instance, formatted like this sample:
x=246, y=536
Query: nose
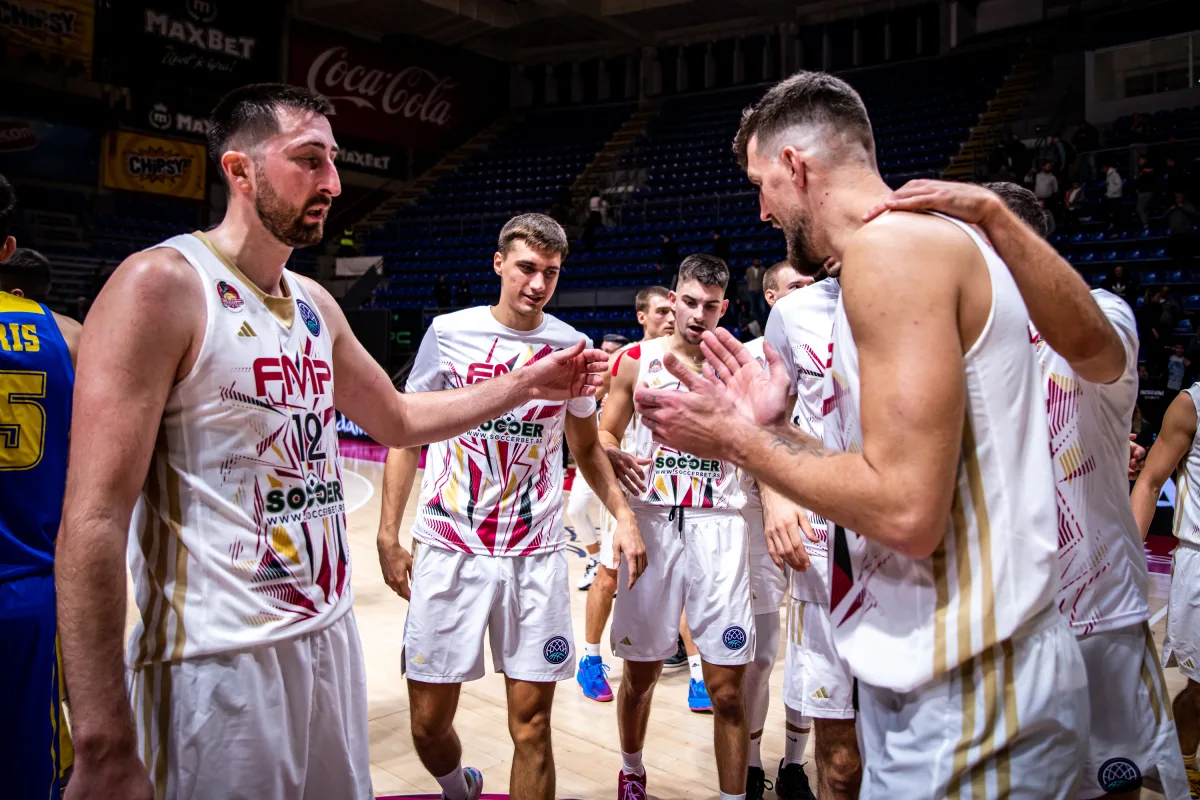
x=538, y=282
x=331, y=182
x=763, y=214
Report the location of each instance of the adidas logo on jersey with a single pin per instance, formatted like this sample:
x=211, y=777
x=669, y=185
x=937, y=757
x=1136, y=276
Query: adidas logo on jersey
x=246, y=330
x=1188, y=663
x=418, y=659
x=820, y=694
x=626, y=642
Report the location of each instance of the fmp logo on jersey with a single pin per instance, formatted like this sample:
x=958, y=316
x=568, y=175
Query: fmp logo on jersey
x=734, y=637
x=310, y=318
x=556, y=650
x=230, y=298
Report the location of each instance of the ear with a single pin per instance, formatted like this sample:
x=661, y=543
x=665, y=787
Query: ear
x=724, y=307
x=8, y=248
x=497, y=260
x=14, y=291
x=791, y=158
x=769, y=296
x=671, y=299
x=238, y=169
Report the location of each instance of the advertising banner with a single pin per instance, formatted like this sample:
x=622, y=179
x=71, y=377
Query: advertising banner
x=213, y=44
x=170, y=113
x=34, y=148
x=416, y=95
x=149, y=164
x=62, y=28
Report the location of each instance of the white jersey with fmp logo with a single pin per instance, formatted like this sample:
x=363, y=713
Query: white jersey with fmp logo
x=1102, y=563
x=993, y=571
x=495, y=490
x=240, y=535
x=800, y=330
x=1187, y=489
x=675, y=479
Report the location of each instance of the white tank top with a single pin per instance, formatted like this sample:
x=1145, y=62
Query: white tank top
x=239, y=538
x=1187, y=489
x=1101, y=560
x=676, y=479
x=994, y=568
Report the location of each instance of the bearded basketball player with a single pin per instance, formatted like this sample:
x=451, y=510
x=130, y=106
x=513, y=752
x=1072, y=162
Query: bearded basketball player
x=209, y=375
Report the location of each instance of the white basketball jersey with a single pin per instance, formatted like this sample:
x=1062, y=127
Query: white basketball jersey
x=240, y=536
x=1101, y=560
x=1187, y=488
x=495, y=490
x=749, y=485
x=800, y=329
x=676, y=479
x=994, y=569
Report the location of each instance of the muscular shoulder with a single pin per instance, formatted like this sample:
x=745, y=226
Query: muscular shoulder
x=70, y=330
x=159, y=281
x=903, y=255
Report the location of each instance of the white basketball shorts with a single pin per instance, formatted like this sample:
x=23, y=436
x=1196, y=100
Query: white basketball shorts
x=288, y=719
x=696, y=559
x=1010, y=723
x=768, y=583
x=523, y=602
x=816, y=682
x=1181, y=648
x=1133, y=730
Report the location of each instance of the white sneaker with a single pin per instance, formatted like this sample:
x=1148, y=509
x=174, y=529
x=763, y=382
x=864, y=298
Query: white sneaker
x=589, y=574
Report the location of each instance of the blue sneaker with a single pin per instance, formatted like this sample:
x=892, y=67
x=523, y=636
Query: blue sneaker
x=591, y=677
x=698, y=697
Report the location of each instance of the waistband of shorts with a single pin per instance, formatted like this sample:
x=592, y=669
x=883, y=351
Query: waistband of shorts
x=1039, y=623
x=1183, y=543
x=690, y=513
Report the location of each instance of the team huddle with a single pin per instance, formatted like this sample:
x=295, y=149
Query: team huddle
x=924, y=462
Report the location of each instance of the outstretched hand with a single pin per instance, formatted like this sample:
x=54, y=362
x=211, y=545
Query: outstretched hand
x=965, y=201
x=573, y=372
x=761, y=394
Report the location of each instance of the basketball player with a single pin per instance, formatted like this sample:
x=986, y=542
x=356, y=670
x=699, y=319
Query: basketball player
x=656, y=315
x=37, y=355
x=936, y=470
x=490, y=524
x=768, y=584
x=583, y=509
x=1087, y=346
x=696, y=550
x=208, y=379
x=1177, y=448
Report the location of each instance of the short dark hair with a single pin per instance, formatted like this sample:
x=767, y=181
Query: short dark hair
x=1023, y=203
x=771, y=276
x=249, y=114
x=8, y=208
x=807, y=98
x=538, y=231
x=642, y=301
x=615, y=338
x=705, y=268
x=27, y=270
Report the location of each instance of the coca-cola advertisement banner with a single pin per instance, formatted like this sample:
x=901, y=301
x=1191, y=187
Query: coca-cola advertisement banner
x=214, y=44
x=414, y=94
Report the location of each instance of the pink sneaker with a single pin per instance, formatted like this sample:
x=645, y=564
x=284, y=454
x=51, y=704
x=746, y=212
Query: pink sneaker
x=632, y=787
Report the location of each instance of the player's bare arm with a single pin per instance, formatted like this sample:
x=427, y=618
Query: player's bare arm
x=1171, y=447
x=363, y=392
x=71, y=332
x=138, y=342
x=593, y=462
x=399, y=471
x=898, y=491
x=1060, y=305
x=618, y=411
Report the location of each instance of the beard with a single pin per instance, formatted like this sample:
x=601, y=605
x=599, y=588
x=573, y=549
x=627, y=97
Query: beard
x=800, y=253
x=286, y=222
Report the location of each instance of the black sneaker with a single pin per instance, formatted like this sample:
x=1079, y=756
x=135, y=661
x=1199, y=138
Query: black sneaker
x=756, y=783
x=679, y=659
x=792, y=784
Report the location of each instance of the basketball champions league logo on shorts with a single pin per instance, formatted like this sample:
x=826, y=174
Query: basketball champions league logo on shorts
x=557, y=650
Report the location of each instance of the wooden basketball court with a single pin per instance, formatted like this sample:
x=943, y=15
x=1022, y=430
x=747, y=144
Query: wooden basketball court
x=678, y=755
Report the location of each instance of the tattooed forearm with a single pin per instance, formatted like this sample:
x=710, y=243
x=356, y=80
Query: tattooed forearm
x=805, y=447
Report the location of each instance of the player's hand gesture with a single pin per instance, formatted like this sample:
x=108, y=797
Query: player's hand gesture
x=117, y=776
x=629, y=470
x=783, y=523
x=396, y=563
x=763, y=394
x=627, y=543
x=573, y=372
x=1137, y=457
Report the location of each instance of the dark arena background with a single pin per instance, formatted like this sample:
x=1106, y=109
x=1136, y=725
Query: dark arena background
x=616, y=118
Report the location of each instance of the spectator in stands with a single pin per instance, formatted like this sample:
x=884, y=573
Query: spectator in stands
x=1152, y=392
x=1044, y=185
x=1181, y=219
x=1177, y=368
x=1019, y=156
x=442, y=294
x=26, y=274
x=1086, y=140
x=1122, y=285
x=1056, y=153
x=720, y=247
x=1005, y=174
x=1074, y=203
x=668, y=260
x=1144, y=181
x=1156, y=324
x=464, y=294
x=754, y=288
x=1114, y=190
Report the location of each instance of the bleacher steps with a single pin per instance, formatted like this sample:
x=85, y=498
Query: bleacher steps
x=610, y=155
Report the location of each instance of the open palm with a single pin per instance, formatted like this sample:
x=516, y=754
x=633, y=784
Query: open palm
x=569, y=373
x=761, y=394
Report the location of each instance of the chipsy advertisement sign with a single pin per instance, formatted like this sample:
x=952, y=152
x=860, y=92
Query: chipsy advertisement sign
x=139, y=163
